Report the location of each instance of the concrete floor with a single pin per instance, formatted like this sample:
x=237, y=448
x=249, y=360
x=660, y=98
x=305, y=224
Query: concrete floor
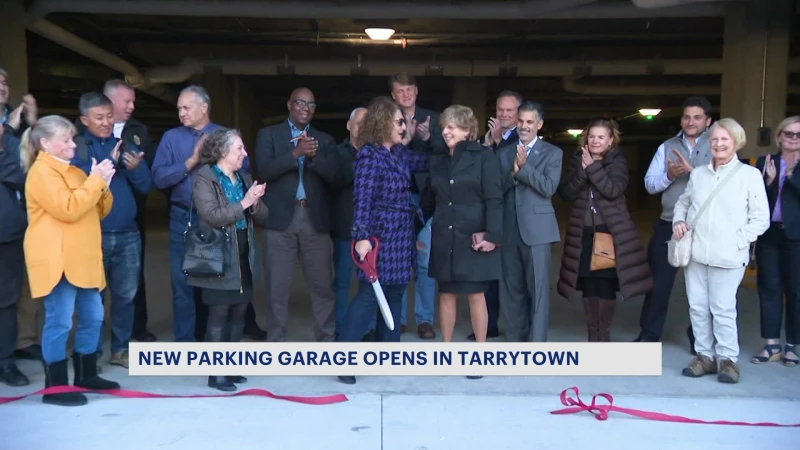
x=424, y=413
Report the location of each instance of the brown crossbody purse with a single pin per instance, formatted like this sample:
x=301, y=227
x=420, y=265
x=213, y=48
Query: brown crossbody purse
x=603, y=255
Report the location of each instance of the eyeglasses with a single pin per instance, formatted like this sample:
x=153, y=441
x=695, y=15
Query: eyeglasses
x=400, y=122
x=302, y=104
x=790, y=135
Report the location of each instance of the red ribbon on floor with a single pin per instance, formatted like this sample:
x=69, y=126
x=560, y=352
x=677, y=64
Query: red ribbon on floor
x=124, y=393
x=600, y=412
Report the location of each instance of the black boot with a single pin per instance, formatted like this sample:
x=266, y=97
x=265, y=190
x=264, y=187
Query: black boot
x=56, y=375
x=85, y=367
x=236, y=332
x=221, y=383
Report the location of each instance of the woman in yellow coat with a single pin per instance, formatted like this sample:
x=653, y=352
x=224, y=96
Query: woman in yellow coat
x=63, y=252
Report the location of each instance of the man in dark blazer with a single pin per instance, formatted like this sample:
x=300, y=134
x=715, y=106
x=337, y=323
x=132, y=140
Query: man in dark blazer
x=299, y=165
x=427, y=137
x=501, y=130
x=531, y=172
x=342, y=219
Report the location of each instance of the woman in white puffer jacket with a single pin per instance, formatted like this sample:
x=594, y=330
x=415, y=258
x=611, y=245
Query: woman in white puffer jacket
x=721, y=236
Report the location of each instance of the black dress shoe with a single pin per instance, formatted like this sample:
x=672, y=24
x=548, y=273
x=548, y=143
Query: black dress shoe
x=489, y=334
x=347, y=379
x=33, y=352
x=12, y=376
x=238, y=379
x=256, y=334
x=145, y=336
x=222, y=383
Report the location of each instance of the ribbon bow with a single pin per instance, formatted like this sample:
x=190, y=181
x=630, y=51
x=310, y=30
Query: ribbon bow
x=600, y=412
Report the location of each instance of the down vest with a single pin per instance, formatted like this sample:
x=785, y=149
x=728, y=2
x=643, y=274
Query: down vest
x=608, y=178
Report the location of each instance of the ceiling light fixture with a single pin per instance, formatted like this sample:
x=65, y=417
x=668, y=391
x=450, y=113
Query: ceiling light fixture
x=379, y=34
x=575, y=132
x=649, y=113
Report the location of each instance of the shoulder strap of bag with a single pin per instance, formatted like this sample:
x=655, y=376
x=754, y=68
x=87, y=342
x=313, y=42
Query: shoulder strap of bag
x=714, y=193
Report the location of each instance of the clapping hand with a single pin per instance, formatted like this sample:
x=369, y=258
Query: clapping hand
x=252, y=195
x=423, y=130
x=770, y=171
x=104, y=170
x=679, y=167
x=586, y=157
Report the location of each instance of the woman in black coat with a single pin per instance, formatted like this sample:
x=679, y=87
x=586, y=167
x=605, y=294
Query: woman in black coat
x=465, y=199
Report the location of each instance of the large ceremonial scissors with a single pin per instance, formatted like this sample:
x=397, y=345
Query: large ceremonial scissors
x=370, y=267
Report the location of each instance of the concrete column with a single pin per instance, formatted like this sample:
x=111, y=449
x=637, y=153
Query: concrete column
x=755, y=65
x=219, y=88
x=14, y=51
x=471, y=92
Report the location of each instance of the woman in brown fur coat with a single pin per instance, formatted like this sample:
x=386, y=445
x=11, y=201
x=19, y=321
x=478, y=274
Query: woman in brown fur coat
x=595, y=184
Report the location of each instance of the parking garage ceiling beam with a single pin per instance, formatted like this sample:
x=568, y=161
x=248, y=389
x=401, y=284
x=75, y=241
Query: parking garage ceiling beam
x=491, y=10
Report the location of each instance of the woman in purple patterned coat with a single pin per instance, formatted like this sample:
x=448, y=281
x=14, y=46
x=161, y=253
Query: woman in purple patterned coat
x=382, y=209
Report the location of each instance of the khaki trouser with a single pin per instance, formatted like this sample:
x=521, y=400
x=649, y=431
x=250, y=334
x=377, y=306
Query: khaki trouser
x=712, y=309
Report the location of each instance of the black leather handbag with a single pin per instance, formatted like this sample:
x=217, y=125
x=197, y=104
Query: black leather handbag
x=205, y=250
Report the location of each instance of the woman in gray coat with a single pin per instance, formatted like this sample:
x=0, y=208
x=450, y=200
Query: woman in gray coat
x=229, y=199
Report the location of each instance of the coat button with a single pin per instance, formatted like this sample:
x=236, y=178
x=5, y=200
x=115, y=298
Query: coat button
x=450, y=204
x=450, y=227
x=451, y=181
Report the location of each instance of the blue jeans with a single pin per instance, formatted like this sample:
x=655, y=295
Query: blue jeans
x=343, y=268
x=424, y=286
x=59, y=306
x=363, y=310
x=183, y=313
x=121, y=258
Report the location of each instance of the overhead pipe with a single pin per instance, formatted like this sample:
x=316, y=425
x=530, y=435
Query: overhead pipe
x=653, y=4
x=132, y=75
x=499, y=10
x=460, y=68
x=569, y=84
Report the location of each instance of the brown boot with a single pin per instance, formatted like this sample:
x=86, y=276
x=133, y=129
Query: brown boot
x=700, y=365
x=592, y=313
x=607, y=310
x=728, y=371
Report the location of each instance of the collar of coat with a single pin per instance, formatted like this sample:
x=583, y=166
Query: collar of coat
x=468, y=146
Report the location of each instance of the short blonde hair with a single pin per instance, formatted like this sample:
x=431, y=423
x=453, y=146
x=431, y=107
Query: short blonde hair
x=734, y=130
x=462, y=117
x=781, y=126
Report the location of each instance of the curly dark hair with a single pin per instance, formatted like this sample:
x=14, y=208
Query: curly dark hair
x=378, y=123
x=217, y=145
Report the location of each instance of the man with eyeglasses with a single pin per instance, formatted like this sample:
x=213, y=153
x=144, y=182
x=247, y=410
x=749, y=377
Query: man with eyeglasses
x=299, y=165
x=668, y=175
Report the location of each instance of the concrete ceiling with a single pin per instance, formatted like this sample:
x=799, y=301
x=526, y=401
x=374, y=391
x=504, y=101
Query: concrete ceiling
x=539, y=39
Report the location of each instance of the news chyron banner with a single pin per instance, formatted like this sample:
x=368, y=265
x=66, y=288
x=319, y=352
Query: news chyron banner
x=395, y=359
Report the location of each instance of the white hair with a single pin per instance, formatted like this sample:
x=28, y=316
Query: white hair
x=355, y=111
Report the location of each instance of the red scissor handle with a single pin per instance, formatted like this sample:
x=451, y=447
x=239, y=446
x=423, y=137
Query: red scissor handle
x=370, y=263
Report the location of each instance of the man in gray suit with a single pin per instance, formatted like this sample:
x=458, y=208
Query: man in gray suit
x=531, y=172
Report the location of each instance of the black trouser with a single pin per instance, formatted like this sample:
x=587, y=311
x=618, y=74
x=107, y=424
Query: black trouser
x=778, y=274
x=656, y=303
x=225, y=322
x=492, y=296
x=12, y=274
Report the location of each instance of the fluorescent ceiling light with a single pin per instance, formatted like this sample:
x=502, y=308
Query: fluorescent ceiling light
x=379, y=34
x=575, y=132
x=649, y=112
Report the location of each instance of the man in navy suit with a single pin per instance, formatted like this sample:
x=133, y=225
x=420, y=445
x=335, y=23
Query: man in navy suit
x=501, y=130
